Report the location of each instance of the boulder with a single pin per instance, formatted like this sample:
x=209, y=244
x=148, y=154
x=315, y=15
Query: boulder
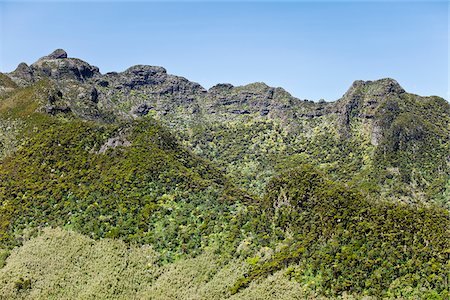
x=94, y=95
x=142, y=110
x=240, y=112
x=57, y=54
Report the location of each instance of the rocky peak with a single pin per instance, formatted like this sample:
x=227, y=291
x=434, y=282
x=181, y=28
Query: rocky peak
x=57, y=54
x=254, y=98
x=142, y=88
x=221, y=87
x=58, y=66
x=22, y=75
x=55, y=66
x=146, y=69
x=386, y=86
x=22, y=67
x=377, y=88
x=140, y=75
x=363, y=98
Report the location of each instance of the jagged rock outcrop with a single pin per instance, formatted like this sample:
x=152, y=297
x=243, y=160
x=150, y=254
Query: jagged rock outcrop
x=362, y=100
x=261, y=100
x=22, y=75
x=363, y=97
x=72, y=77
x=57, y=54
x=144, y=75
x=221, y=87
x=63, y=69
x=141, y=88
x=56, y=66
x=142, y=110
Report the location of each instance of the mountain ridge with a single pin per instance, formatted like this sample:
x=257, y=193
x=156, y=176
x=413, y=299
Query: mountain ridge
x=85, y=70
x=141, y=89
x=97, y=87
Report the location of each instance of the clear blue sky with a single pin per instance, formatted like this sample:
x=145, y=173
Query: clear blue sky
x=312, y=49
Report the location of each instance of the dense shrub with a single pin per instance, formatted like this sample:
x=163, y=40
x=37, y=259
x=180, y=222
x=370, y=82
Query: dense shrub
x=151, y=191
x=353, y=244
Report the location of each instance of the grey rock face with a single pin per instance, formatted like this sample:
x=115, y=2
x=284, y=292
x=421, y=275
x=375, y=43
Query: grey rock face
x=53, y=110
x=269, y=94
x=141, y=88
x=240, y=112
x=64, y=69
x=370, y=90
x=54, y=66
x=114, y=142
x=22, y=75
x=264, y=112
x=57, y=54
x=71, y=76
x=142, y=110
x=54, y=97
x=363, y=99
x=221, y=87
x=94, y=95
x=250, y=98
x=144, y=75
x=225, y=100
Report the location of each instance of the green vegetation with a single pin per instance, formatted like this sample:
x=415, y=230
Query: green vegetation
x=253, y=151
x=415, y=148
x=151, y=191
x=322, y=239
x=61, y=264
x=7, y=86
x=348, y=243
x=331, y=205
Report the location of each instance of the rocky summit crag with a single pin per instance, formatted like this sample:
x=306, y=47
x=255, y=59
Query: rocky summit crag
x=138, y=184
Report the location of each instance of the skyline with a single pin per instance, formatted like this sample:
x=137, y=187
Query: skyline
x=313, y=50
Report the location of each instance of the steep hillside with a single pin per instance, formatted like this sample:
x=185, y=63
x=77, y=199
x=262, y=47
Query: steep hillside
x=130, y=180
x=386, y=142
x=309, y=237
x=343, y=242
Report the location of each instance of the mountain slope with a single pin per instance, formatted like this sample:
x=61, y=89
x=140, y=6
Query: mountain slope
x=122, y=180
x=328, y=198
x=368, y=138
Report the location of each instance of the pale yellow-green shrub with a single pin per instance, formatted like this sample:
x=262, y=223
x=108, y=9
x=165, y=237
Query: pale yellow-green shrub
x=61, y=264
